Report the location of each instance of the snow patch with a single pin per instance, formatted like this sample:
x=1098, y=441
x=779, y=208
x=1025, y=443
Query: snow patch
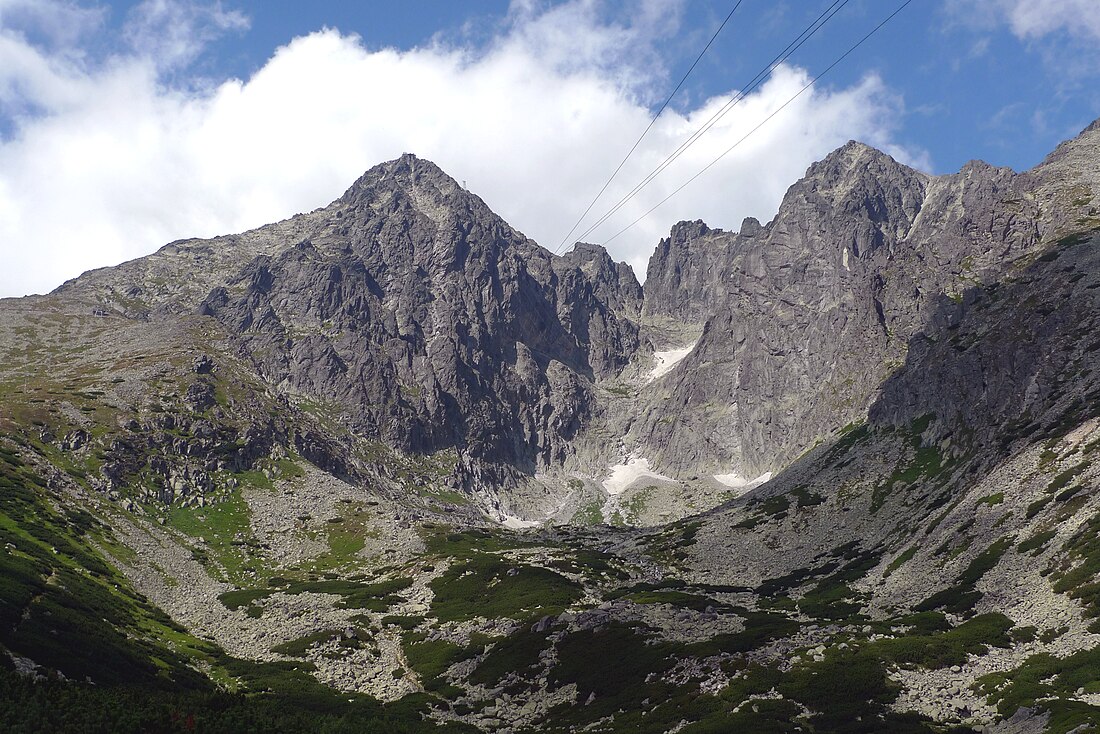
x=516, y=523
x=736, y=481
x=623, y=475
x=664, y=361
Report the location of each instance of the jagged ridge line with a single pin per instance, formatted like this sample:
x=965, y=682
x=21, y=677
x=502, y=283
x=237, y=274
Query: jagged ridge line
x=795, y=96
x=646, y=131
x=754, y=83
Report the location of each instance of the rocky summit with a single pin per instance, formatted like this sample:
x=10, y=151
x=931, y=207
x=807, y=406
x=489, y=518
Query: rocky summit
x=392, y=466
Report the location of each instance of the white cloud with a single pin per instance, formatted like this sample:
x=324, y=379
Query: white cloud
x=121, y=163
x=59, y=22
x=1030, y=19
x=1063, y=34
x=172, y=32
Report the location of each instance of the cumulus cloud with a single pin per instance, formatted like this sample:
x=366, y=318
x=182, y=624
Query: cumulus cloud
x=115, y=161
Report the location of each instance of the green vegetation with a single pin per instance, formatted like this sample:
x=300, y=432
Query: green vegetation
x=376, y=597
x=831, y=598
x=851, y=435
x=431, y=658
x=848, y=690
x=843, y=689
x=901, y=560
x=294, y=703
x=1037, y=506
x=344, y=545
x=688, y=532
x=1062, y=479
x=1076, y=573
x=760, y=629
x=297, y=648
x=669, y=545
x=1047, y=683
x=635, y=505
x=595, y=566
x=620, y=671
x=444, y=495
x=949, y=647
x=346, y=536
x=926, y=463
x=243, y=597
x=806, y=498
x=228, y=550
x=776, y=506
x=404, y=622
x=588, y=514
x=1036, y=543
x=612, y=665
x=1024, y=634
x=961, y=597
x=64, y=607
x=289, y=469
x=461, y=544
x=487, y=586
x=992, y=500
x=517, y=653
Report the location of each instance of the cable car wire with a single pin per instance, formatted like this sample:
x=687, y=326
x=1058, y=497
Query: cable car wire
x=764, y=121
x=754, y=83
x=648, y=128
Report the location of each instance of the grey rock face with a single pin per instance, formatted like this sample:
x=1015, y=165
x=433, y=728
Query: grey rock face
x=611, y=283
x=1015, y=361
x=816, y=309
x=690, y=270
x=424, y=322
x=431, y=324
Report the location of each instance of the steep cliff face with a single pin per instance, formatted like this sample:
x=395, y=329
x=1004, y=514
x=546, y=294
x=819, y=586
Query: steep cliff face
x=689, y=271
x=433, y=324
x=817, y=308
x=411, y=311
x=1015, y=363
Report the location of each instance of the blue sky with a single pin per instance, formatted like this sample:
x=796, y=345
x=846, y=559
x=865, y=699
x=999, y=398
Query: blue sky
x=124, y=125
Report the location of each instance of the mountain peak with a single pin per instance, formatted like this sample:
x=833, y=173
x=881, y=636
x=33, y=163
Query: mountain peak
x=405, y=172
x=856, y=160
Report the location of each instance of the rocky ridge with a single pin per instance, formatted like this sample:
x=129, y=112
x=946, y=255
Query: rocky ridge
x=417, y=315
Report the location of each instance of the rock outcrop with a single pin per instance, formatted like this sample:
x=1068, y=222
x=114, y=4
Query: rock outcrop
x=812, y=312
x=411, y=310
